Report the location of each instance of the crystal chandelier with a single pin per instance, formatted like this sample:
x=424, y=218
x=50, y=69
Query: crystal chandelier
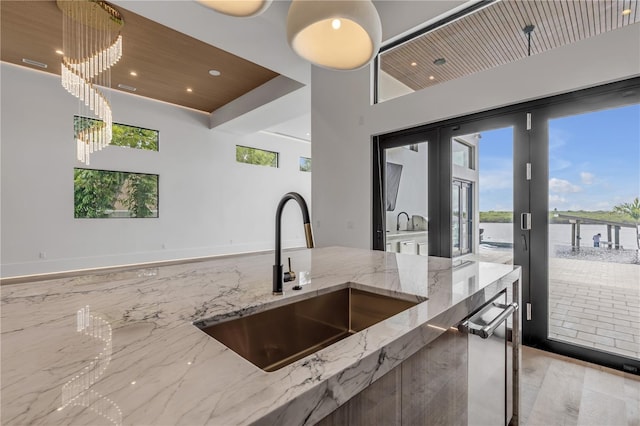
x=92, y=44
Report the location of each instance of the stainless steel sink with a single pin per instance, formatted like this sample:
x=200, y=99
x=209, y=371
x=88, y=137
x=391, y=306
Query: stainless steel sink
x=277, y=337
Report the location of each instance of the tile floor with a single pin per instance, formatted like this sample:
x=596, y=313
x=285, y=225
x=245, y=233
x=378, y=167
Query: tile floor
x=557, y=390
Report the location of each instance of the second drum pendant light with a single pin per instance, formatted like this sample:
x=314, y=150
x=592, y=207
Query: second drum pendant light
x=341, y=35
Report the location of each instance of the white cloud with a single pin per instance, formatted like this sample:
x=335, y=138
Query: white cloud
x=557, y=163
x=562, y=186
x=496, y=179
x=557, y=138
x=586, y=178
x=556, y=199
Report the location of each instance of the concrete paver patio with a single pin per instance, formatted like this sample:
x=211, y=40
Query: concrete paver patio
x=595, y=304
x=591, y=303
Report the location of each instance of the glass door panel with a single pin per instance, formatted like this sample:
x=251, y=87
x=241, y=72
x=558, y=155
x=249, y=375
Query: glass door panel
x=462, y=217
x=594, y=270
x=466, y=213
x=406, y=199
x=455, y=219
x=482, y=193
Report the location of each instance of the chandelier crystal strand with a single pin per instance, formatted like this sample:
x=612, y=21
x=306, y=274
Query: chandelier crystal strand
x=92, y=44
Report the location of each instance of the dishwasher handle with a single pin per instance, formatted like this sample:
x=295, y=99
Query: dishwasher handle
x=486, y=331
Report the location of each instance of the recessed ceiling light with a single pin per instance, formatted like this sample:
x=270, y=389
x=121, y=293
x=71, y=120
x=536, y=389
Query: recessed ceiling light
x=125, y=87
x=413, y=64
x=133, y=73
x=214, y=73
x=440, y=61
x=189, y=89
x=626, y=12
x=59, y=52
x=308, y=134
x=336, y=24
x=34, y=63
x=431, y=77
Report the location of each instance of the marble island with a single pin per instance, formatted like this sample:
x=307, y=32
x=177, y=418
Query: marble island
x=120, y=347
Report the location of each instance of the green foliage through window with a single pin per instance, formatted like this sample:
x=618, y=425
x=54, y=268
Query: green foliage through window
x=107, y=194
x=305, y=164
x=256, y=156
x=123, y=135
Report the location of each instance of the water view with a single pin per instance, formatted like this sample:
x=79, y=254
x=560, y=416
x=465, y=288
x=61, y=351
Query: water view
x=500, y=236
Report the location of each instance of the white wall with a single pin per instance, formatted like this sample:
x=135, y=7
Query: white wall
x=208, y=203
x=343, y=120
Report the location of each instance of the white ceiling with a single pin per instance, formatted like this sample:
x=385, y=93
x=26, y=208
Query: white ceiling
x=262, y=40
x=298, y=128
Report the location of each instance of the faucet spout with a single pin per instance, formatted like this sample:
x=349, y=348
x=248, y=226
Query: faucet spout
x=308, y=233
x=398, y=220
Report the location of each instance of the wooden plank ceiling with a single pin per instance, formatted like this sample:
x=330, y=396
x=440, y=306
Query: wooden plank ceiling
x=166, y=62
x=494, y=36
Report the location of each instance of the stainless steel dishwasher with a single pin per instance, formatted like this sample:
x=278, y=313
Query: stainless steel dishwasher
x=490, y=363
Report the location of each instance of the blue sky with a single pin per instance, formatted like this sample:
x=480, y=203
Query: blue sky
x=594, y=162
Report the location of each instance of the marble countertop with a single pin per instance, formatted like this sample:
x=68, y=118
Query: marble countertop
x=406, y=233
x=121, y=348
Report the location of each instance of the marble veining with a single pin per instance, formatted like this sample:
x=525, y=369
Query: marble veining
x=163, y=370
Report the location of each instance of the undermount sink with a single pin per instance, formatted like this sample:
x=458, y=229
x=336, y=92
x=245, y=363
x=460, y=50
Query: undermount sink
x=277, y=337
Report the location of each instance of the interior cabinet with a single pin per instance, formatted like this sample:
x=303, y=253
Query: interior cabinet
x=407, y=242
x=429, y=388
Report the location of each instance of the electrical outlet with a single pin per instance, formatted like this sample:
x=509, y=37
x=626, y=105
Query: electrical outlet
x=43, y=255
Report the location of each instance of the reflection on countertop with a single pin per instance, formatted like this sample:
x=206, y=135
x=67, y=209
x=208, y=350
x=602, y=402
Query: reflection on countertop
x=164, y=370
x=78, y=390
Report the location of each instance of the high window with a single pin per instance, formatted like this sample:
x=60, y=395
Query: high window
x=259, y=157
x=305, y=164
x=123, y=134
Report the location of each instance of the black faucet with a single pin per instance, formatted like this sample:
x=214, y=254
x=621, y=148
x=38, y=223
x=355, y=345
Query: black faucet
x=398, y=220
x=277, y=267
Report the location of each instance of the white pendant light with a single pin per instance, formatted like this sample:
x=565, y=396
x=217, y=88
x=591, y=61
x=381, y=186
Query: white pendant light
x=335, y=34
x=237, y=8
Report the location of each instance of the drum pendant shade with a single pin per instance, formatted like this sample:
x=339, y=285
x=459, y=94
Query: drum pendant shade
x=237, y=8
x=340, y=35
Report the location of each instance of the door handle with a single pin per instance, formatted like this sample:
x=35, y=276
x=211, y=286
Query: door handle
x=525, y=221
x=487, y=330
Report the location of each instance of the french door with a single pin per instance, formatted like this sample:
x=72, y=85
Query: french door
x=584, y=292
x=546, y=184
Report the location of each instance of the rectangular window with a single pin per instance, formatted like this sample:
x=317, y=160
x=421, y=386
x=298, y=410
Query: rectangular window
x=123, y=135
x=109, y=194
x=305, y=164
x=259, y=157
x=462, y=154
